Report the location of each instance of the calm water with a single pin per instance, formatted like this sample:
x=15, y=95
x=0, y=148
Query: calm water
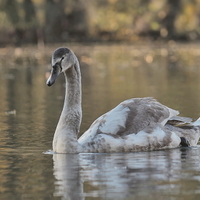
x=29, y=111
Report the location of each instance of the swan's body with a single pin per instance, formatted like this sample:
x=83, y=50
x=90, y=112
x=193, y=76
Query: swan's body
x=139, y=124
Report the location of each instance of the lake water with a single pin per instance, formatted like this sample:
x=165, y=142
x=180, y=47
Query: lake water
x=29, y=111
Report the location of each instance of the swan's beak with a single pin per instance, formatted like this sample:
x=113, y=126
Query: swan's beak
x=56, y=70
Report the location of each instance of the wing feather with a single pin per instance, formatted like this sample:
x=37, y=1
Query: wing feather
x=129, y=117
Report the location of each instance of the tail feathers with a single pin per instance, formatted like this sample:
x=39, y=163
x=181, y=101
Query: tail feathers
x=197, y=122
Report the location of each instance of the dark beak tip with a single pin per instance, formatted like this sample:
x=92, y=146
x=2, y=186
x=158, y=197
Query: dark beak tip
x=49, y=83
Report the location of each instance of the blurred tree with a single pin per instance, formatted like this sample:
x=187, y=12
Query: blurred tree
x=30, y=20
x=67, y=21
x=77, y=24
x=29, y=9
x=11, y=9
x=169, y=21
x=54, y=17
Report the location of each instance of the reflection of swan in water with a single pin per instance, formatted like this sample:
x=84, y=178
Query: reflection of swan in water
x=138, y=124
x=119, y=176
x=66, y=172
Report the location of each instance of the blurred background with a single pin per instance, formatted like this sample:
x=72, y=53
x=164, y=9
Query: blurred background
x=49, y=21
x=126, y=49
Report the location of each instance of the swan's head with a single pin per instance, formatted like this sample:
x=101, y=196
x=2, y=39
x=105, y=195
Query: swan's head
x=62, y=59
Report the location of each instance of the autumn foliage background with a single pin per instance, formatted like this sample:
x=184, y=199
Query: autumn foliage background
x=49, y=21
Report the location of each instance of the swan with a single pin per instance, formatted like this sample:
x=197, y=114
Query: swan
x=138, y=124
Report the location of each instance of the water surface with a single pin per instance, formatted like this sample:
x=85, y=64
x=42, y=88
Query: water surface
x=29, y=111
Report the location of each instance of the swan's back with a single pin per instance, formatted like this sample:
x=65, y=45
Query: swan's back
x=133, y=122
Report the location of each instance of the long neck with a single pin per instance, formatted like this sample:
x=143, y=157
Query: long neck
x=65, y=138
